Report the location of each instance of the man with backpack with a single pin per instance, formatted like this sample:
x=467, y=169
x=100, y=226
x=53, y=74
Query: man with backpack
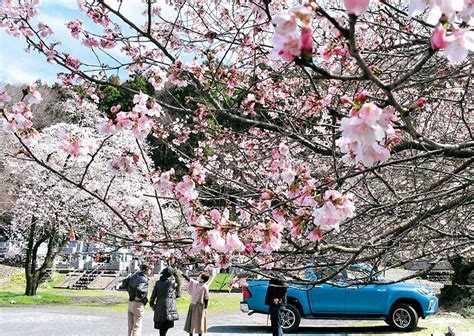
x=137, y=288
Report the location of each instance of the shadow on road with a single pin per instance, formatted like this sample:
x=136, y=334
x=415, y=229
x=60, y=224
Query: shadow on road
x=306, y=330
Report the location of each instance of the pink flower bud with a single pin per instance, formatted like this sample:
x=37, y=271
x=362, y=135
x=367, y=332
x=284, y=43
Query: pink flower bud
x=438, y=39
x=421, y=101
x=361, y=97
x=346, y=100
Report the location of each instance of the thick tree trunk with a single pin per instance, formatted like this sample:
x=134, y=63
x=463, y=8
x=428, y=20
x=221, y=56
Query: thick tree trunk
x=30, y=262
x=32, y=283
x=35, y=275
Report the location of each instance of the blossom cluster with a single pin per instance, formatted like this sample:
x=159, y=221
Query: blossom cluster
x=137, y=120
x=76, y=145
x=288, y=41
x=125, y=163
x=314, y=212
x=211, y=230
x=365, y=133
x=157, y=77
x=18, y=119
x=456, y=44
x=336, y=208
x=453, y=10
x=448, y=35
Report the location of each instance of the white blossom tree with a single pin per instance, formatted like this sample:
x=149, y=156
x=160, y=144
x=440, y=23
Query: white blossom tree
x=51, y=210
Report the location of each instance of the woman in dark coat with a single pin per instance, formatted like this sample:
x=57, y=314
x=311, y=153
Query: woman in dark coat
x=163, y=302
x=275, y=297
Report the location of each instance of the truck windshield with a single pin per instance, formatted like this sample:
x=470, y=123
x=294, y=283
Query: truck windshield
x=353, y=273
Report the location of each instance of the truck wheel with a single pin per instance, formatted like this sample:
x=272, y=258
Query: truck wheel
x=290, y=318
x=403, y=317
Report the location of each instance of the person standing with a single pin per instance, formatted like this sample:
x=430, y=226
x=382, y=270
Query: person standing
x=137, y=288
x=163, y=302
x=275, y=298
x=196, y=320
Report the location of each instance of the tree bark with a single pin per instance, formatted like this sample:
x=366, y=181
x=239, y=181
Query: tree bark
x=35, y=275
x=31, y=286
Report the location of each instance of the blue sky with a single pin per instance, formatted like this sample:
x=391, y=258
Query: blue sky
x=18, y=67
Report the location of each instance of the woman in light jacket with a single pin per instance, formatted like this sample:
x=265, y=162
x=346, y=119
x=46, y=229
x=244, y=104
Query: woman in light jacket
x=163, y=302
x=196, y=320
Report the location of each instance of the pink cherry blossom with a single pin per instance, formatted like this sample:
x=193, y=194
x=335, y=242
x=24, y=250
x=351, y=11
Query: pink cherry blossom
x=327, y=217
x=438, y=39
x=158, y=78
x=356, y=7
x=316, y=235
x=284, y=149
x=76, y=146
x=288, y=174
x=233, y=243
x=217, y=242
x=187, y=189
x=363, y=134
x=197, y=172
x=460, y=42
x=75, y=26
x=44, y=30
x=123, y=120
x=35, y=98
x=222, y=260
x=108, y=43
x=285, y=23
x=121, y=164
x=22, y=121
x=10, y=126
x=108, y=128
x=140, y=98
x=286, y=46
x=373, y=153
x=90, y=42
x=155, y=109
x=164, y=184
x=142, y=127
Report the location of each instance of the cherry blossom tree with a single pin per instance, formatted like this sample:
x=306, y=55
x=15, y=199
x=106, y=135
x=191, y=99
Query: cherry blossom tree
x=325, y=133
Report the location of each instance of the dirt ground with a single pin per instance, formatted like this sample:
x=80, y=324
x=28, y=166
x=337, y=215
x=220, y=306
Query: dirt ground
x=6, y=272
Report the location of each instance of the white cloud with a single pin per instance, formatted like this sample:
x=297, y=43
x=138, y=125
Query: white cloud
x=67, y=4
x=16, y=66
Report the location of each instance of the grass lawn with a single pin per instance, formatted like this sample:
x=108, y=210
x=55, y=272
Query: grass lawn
x=8, y=298
x=13, y=290
x=220, y=281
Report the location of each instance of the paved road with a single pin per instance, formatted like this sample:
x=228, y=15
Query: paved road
x=72, y=321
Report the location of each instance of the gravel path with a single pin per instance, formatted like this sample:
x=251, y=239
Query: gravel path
x=71, y=321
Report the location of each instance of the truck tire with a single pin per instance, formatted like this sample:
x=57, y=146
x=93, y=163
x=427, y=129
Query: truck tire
x=403, y=317
x=290, y=318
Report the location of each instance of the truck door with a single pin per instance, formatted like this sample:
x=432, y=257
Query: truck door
x=365, y=299
x=326, y=298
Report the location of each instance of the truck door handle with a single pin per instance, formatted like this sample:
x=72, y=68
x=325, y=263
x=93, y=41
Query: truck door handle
x=317, y=286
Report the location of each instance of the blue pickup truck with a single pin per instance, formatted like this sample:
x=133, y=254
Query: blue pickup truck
x=399, y=304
